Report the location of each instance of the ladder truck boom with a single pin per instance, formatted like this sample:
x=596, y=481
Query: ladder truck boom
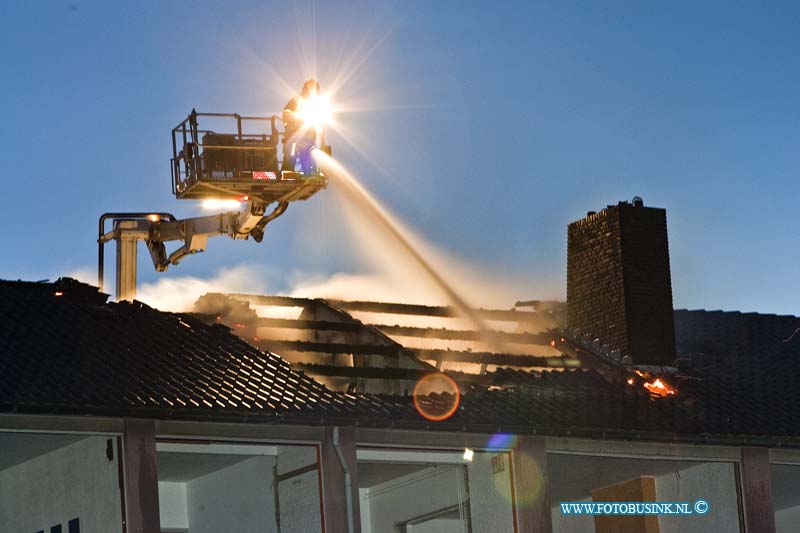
x=207, y=164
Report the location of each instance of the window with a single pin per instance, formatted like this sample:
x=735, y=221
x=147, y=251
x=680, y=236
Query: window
x=59, y=482
x=434, y=491
x=212, y=487
x=594, y=478
x=786, y=491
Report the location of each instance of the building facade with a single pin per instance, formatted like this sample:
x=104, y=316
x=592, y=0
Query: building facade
x=115, y=417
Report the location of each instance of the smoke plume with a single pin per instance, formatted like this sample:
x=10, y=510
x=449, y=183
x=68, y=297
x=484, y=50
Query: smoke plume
x=181, y=293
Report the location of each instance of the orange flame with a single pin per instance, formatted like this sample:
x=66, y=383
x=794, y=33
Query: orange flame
x=659, y=387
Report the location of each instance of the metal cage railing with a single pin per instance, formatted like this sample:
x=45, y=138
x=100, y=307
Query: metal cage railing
x=208, y=155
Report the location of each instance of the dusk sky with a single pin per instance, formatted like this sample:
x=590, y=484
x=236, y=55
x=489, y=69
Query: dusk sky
x=486, y=126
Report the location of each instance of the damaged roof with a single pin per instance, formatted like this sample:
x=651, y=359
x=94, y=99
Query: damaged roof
x=65, y=349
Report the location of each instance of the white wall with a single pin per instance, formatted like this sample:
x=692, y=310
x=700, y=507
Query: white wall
x=443, y=525
x=295, y=457
x=571, y=523
x=300, y=504
x=363, y=500
x=490, y=494
x=172, y=505
x=241, y=497
x=787, y=520
x=412, y=495
x=299, y=495
x=76, y=481
x=238, y=498
x=437, y=488
x=712, y=482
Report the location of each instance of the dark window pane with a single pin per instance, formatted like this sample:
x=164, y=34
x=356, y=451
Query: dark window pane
x=74, y=525
x=786, y=492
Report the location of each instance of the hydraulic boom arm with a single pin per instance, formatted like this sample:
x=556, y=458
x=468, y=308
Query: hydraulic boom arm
x=194, y=232
x=158, y=229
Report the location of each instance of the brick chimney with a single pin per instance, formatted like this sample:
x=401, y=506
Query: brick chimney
x=619, y=291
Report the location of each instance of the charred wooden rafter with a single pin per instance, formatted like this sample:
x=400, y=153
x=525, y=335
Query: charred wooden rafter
x=319, y=325
x=394, y=349
x=330, y=347
x=459, y=356
x=433, y=310
x=499, y=359
x=369, y=372
x=278, y=301
x=363, y=372
x=466, y=335
x=510, y=315
x=403, y=331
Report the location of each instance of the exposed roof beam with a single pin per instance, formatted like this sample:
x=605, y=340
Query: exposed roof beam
x=381, y=373
x=277, y=346
x=431, y=310
x=428, y=333
x=510, y=315
x=499, y=359
x=361, y=371
x=466, y=335
x=288, y=323
x=278, y=301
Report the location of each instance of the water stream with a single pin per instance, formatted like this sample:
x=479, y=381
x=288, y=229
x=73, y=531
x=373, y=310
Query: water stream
x=358, y=195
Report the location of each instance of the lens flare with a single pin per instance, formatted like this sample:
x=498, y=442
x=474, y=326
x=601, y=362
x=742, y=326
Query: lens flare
x=436, y=397
x=501, y=441
x=315, y=111
x=535, y=481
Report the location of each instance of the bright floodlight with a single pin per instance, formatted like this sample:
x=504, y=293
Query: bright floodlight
x=213, y=203
x=468, y=454
x=315, y=111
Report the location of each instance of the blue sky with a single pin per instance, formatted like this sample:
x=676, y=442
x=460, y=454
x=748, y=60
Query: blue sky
x=488, y=126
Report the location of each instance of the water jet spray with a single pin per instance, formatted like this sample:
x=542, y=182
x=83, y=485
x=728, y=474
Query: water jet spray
x=364, y=199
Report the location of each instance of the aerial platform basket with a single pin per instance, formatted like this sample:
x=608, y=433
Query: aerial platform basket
x=239, y=157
